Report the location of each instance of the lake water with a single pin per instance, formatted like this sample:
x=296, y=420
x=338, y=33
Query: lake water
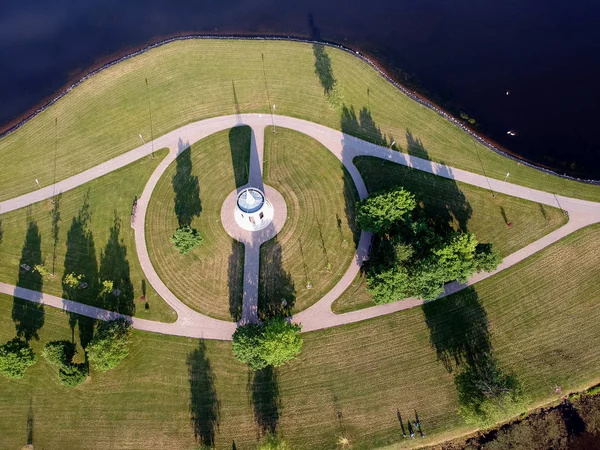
x=464, y=54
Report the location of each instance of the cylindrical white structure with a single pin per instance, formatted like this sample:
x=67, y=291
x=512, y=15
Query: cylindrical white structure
x=252, y=210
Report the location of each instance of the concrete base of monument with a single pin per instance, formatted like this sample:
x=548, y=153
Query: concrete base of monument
x=277, y=212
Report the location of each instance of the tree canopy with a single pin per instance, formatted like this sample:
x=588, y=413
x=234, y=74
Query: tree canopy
x=15, y=357
x=409, y=257
x=110, y=345
x=380, y=211
x=185, y=239
x=273, y=343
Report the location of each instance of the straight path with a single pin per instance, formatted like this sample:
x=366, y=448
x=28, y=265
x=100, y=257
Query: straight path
x=345, y=148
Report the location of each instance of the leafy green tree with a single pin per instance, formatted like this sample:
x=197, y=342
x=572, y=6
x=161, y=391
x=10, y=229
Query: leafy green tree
x=273, y=343
x=15, y=357
x=110, y=345
x=486, y=394
x=60, y=354
x=273, y=443
x=247, y=345
x=381, y=210
x=282, y=341
x=389, y=285
x=72, y=375
x=72, y=280
x=185, y=239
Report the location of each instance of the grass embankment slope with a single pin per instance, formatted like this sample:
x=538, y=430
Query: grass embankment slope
x=195, y=79
x=540, y=318
x=317, y=242
x=457, y=206
x=192, y=191
x=86, y=231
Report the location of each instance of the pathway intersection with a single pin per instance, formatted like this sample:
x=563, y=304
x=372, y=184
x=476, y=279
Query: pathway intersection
x=193, y=324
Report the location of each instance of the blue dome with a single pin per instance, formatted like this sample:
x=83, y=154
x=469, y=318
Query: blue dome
x=250, y=200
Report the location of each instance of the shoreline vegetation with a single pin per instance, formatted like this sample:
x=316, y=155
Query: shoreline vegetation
x=413, y=94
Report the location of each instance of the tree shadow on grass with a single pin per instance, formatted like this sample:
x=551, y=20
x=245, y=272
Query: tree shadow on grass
x=277, y=292
x=458, y=327
x=323, y=67
x=114, y=267
x=55, y=215
x=186, y=187
x=28, y=316
x=80, y=259
x=204, y=402
x=362, y=126
x=264, y=392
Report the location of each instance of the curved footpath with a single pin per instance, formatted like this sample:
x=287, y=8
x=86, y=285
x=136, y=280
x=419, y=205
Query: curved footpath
x=193, y=324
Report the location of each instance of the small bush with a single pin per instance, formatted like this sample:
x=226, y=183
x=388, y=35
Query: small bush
x=72, y=375
x=60, y=354
x=185, y=239
x=110, y=345
x=15, y=357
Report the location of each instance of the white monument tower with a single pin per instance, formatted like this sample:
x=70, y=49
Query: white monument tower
x=253, y=211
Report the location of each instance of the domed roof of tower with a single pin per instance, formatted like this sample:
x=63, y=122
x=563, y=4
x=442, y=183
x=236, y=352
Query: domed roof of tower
x=250, y=200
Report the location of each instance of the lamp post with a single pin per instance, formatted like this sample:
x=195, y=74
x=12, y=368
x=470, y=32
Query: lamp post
x=506, y=177
x=142, y=139
x=38, y=183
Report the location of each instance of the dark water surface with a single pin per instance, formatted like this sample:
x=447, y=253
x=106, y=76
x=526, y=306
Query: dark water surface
x=463, y=54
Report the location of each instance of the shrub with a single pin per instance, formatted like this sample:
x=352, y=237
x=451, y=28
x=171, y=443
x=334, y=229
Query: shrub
x=72, y=280
x=72, y=375
x=45, y=272
x=273, y=343
x=273, y=443
x=487, y=394
x=110, y=345
x=15, y=357
x=185, y=239
x=59, y=353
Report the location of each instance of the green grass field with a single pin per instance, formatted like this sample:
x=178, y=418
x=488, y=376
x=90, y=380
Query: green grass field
x=317, y=243
x=457, y=206
x=209, y=278
x=539, y=317
x=86, y=232
x=195, y=79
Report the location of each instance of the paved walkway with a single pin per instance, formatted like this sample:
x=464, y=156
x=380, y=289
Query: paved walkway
x=345, y=148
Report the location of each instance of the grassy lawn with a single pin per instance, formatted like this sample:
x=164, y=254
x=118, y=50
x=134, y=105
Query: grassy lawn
x=195, y=79
x=316, y=244
x=458, y=206
x=192, y=190
x=539, y=319
x=87, y=231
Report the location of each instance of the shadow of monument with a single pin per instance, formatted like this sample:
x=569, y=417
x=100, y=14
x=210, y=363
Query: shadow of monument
x=186, y=187
x=27, y=315
x=204, y=402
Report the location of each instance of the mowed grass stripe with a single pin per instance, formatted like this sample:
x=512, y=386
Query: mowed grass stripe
x=195, y=79
x=209, y=278
x=316, y=244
